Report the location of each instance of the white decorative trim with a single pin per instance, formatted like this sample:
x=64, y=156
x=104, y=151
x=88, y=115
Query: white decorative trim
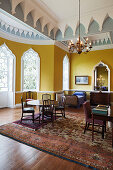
x=22, y=40
x=101, y=47
x=15, y=38
x=26, y=26
x=60, y=45
x=99, y=36
x=46, y=92
x=108, y=74
x=89, y=90
x=25, y=40
x=59, y=91
x=19, y=91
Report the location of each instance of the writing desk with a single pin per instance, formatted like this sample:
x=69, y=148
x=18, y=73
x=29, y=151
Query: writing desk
x=108, y=117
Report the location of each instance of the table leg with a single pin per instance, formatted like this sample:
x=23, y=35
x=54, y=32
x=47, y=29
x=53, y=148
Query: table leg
x=92, y=128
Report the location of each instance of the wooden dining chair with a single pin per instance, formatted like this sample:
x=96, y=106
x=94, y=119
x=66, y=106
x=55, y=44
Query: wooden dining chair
x=48, y=110
x=46, y=96
x=29, y=96
x=60, y=108
x=27, y=112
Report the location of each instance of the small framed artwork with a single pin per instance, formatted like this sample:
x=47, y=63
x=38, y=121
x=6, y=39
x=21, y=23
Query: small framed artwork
x=81, y=79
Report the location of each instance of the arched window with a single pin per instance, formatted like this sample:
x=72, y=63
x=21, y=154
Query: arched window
x=30, y=71
x=66, y=73
x=7, y=77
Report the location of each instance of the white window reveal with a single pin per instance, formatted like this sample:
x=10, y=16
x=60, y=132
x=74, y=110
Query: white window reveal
x=66, y=73
x=7, y=77
x=30, y=71
x=3, y=71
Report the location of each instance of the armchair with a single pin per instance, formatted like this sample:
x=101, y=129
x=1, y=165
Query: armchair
x=88, y=118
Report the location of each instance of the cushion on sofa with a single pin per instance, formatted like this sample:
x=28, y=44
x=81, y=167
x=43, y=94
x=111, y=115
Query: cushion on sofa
x=80, y=94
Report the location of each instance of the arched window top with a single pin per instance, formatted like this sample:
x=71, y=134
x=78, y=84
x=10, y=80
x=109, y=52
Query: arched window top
x=7, y=72
x=30, y=70
x=5, y=51
x=66, y=59
x=30, y=53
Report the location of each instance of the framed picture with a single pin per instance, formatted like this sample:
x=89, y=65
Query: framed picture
x=81, y=79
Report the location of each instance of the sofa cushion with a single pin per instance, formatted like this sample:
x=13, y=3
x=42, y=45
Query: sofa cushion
x=80, y=93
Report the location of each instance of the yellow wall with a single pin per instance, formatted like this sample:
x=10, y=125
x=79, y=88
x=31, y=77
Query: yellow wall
x=83, y=64
x=51, y=68
x=46, y=54
x=59, y=55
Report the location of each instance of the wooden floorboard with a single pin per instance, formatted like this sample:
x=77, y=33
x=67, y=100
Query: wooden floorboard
x=17, y=156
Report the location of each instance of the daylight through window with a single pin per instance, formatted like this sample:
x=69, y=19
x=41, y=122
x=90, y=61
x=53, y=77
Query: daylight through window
x=66, y=73
x=31, y=70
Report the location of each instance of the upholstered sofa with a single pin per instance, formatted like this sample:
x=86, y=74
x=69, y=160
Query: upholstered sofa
x=81, y=97
x=77, y=99
x=71, y=100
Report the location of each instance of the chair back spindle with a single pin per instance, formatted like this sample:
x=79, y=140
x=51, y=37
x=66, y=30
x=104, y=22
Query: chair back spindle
x=46, y=96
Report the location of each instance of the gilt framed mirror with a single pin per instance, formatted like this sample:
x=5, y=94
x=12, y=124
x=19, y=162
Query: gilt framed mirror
x=101, y=77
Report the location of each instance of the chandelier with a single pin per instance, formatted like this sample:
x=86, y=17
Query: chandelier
x=79, y=45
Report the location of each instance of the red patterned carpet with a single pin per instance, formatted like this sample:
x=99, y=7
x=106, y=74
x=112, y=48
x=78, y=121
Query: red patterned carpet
x=66, y=140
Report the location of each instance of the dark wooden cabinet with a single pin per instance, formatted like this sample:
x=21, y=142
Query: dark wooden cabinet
x=99, y=98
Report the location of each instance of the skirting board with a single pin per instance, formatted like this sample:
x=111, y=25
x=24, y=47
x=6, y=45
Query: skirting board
x=17, y=105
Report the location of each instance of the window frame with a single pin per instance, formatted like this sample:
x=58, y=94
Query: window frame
x=13, y=58
x=66, y=58
x=37, y=70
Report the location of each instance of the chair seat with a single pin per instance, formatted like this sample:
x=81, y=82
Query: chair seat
x=59, y=107
x=29, y=109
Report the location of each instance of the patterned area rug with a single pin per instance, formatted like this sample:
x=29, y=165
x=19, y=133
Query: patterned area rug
x=66, y=140
x=29, y=123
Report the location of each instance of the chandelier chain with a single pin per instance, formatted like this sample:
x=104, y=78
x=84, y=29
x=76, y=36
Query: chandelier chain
x=79, y=46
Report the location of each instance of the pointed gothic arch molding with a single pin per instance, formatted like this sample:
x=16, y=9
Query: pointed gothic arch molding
x=31, y=55
x=95, y=74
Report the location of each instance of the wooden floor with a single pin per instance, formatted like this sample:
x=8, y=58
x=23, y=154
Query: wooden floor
x=17, y=156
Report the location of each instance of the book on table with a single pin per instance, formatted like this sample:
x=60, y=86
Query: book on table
x=100, y=109
x=102, y=106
